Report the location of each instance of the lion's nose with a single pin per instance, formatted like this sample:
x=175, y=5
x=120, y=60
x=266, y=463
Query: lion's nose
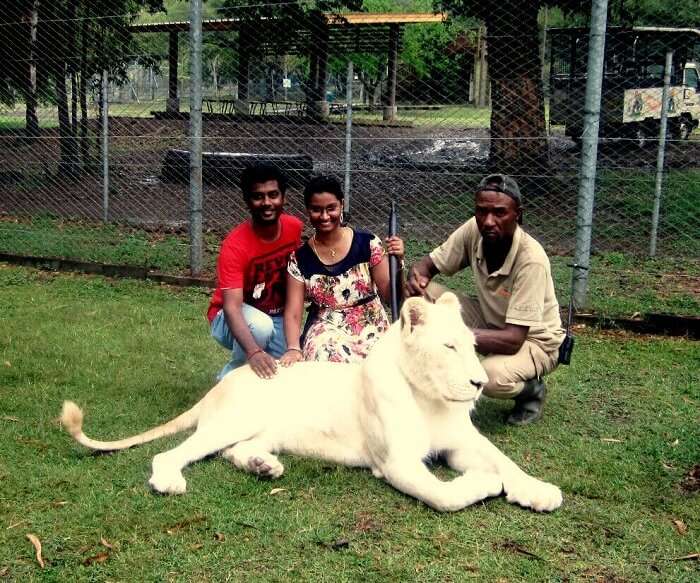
x=476, y=384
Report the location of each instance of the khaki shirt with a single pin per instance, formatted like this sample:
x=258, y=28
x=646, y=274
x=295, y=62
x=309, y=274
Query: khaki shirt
x=520, y=292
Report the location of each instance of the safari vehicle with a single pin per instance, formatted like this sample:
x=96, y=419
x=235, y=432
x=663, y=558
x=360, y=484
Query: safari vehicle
x=632, y=83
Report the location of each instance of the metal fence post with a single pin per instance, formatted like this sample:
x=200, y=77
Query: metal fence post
x=196, y=137
x=348, y=135
x=105, y=145
x=589, y=150
x=661, y=154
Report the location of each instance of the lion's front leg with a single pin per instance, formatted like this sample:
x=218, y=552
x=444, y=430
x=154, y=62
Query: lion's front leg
x=478, y=454
x=413, y=478
x=254, y=456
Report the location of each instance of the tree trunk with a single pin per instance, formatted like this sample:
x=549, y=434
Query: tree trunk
x=66, y=139
x=518, y=137
x=84, y=79
x=30, y=98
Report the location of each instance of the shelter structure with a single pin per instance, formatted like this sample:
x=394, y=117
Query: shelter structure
x=319, y=37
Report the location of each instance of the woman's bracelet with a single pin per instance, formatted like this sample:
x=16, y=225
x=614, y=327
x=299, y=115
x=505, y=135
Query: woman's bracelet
x=252, y=354
x=292, y=348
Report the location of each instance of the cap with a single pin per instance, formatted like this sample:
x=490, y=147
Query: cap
x=501, y=183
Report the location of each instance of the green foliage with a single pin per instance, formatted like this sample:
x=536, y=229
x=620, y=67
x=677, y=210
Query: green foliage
x=619, y=436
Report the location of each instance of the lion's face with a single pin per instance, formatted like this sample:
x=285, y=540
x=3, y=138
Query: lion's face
x=438, y=353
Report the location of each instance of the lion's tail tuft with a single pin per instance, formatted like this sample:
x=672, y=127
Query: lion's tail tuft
x=72, y=418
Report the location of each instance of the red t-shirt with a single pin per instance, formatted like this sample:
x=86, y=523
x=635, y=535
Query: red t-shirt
x=257, y=267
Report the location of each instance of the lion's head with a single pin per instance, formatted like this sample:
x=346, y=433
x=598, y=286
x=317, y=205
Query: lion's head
x=438, y=351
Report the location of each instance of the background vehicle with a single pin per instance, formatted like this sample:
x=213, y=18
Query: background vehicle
x=632, y=82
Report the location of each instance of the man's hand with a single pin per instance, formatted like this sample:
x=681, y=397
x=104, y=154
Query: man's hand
x=262, y=364
x=419, y=277
x=416, y=283
x=291, y=356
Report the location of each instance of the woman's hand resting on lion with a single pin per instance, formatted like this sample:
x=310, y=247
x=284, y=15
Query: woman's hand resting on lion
x=291, y=356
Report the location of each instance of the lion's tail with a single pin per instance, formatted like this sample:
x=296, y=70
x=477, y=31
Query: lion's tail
x=72, y=420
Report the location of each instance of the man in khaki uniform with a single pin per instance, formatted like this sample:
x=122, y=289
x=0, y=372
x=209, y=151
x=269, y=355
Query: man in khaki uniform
x=515, y=317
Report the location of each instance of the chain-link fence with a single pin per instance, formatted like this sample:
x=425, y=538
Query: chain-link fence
x=410, y=105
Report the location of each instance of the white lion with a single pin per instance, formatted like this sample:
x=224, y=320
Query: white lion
x=409, y=400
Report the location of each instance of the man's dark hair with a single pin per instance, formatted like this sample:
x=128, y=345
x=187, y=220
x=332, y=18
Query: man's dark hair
x=261, y=173
x=323, y=184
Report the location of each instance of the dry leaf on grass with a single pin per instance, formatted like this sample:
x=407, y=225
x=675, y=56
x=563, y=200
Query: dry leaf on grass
x=681, y=526
x=690, y=557
x=36, y=543
x=15, y=524
x=610, y=440
x=277, y=491
x=219, y=536
x=59, y=503
x=104, y=543
x=4, y=571
x=10, y=418
x=98, y=558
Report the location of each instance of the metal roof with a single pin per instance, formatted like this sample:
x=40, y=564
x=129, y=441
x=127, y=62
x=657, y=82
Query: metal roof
x=351, y=32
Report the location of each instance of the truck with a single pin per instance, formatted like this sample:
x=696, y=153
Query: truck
x=633, y=80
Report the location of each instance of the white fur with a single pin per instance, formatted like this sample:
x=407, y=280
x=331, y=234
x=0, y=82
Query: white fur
x=410, y=399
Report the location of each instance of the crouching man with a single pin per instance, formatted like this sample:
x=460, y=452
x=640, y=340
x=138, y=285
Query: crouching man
x=515, y=317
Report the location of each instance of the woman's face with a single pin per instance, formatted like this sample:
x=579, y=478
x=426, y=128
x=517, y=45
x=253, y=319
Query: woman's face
x=324, y=211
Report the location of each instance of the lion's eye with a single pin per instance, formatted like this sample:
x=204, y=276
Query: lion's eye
x=450, y=346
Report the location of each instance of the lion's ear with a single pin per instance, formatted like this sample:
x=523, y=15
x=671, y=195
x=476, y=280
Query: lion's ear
x=413, y=313
x=450, y=300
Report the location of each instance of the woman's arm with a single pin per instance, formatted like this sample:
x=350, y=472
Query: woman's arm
x=380, y=272
x=293, y=308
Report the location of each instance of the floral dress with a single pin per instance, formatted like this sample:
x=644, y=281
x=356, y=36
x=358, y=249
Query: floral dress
x=346, y=316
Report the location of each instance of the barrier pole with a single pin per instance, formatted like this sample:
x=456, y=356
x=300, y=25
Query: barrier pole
x=661, y=155
x=589, y=150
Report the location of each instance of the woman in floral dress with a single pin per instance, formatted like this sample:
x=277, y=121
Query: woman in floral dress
x=344, y=274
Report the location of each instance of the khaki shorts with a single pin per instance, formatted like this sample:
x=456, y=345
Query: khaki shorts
x=507, y=372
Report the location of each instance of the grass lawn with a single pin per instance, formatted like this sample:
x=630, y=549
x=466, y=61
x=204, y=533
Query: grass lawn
x=620, y=436
x=619, y=284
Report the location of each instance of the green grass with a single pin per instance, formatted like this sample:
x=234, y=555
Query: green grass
x=47, y=236
x=619, y=434
x=619, y=284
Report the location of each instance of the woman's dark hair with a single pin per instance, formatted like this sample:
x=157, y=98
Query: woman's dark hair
x=261, y=173
x=323, y=184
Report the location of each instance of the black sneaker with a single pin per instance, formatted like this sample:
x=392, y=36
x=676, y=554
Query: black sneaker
x=529, y=403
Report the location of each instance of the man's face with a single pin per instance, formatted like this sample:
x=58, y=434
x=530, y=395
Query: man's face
x=496, y=216
x=265, y=202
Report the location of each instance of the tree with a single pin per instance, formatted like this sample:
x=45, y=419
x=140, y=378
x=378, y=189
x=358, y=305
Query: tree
x=518, y=143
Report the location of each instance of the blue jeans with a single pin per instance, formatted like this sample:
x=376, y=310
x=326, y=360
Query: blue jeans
x=268, y=332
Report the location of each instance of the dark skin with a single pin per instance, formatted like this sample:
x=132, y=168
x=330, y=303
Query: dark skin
x=497, y=216
x=265, y=203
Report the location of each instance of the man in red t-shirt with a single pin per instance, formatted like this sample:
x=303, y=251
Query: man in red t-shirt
x=246, y=309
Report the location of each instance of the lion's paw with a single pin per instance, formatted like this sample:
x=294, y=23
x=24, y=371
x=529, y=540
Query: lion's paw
x=533, y=493
x=168, y=482
x=487, y=484
x=269, y=467
x=466, y=490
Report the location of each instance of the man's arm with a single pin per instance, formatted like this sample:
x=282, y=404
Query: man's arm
x=419, y=277
x=504, y=341
x=262, y=363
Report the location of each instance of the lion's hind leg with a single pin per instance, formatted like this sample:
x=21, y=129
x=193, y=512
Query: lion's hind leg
x=254, y=456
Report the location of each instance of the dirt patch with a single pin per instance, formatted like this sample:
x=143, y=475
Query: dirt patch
x=690, y=484
x=430, y=171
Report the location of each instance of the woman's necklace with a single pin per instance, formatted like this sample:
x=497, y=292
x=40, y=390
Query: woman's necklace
x=331, y=250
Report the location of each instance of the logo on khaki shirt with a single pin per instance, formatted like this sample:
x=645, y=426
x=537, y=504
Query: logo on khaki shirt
x=503, y=292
